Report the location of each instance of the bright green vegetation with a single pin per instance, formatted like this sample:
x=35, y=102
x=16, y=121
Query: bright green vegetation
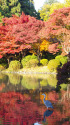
x=29, y=82
x=26, y=61
x=1, y=67
x=57, y=62
x=14, y=65
x=63, y=86
x=44, y=62
x=52, y=80
x=30, y=64
x=14, y=78
x=50, y=6
x=33, y=81
x=62, y=59
x=53, y=64
x=9, y=7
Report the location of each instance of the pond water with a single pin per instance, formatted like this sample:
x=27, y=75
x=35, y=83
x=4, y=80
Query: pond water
x=21, y=100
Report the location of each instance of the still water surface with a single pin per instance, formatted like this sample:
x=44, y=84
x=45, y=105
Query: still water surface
x=21, y=100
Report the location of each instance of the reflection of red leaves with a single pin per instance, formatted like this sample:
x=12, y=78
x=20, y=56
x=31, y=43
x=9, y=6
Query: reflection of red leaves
x=18, y=109
x=59, y=116
x=53, y=96
x=2, y=86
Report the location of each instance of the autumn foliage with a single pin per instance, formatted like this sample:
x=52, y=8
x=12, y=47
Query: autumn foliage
x=17, y=108
x=25, y=32
x=58, y=26
x=20, y=33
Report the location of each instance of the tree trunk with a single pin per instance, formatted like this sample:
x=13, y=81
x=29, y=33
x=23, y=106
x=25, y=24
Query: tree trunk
x=8, y=61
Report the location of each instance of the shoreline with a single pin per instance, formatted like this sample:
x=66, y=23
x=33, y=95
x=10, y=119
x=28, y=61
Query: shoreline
x=36, y=70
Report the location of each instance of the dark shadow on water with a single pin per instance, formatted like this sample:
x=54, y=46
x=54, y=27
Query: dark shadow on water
x=47, y=113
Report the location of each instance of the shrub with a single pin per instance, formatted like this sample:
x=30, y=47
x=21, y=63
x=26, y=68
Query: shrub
x=62, y=59
x=58, y=57
x=32, y=63
x=14, y=65
x=44, y=62
x=27, y=58
x=53, y=64
x=1, y=67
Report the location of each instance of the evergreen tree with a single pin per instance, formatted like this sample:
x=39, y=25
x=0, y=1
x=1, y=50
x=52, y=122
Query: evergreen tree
x=9, y=7
x=27, y=6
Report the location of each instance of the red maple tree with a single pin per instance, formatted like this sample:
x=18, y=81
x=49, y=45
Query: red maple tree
x=58, y=26
x=18, y=33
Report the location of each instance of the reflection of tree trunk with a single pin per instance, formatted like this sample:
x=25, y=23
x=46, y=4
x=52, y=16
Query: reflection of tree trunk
x=67, y=94
x=8, y=82
x=68, y=90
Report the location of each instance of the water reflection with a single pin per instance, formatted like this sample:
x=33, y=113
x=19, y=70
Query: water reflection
x=21, y=100
x=15, y=81
x=46, y=114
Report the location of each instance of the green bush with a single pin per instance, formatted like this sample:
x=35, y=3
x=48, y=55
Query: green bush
x=27, y=58
x=53, y=64
x=62, y=59
x=32, y=63
x=14, y=65
x=44, y=62
x=1, y=67
x=58, y=57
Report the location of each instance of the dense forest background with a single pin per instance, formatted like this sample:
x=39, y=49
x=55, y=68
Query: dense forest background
x=9, y=7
